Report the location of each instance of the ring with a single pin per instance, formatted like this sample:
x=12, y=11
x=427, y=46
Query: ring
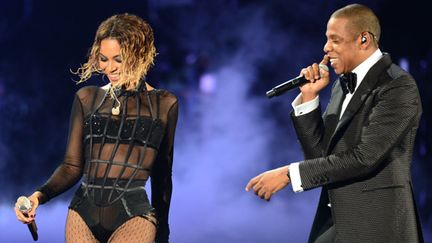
x=324, y=67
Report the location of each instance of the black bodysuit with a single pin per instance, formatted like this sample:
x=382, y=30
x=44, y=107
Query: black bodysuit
x=115, y=155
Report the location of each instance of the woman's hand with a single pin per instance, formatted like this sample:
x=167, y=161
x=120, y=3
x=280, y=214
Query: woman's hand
x=29, y=217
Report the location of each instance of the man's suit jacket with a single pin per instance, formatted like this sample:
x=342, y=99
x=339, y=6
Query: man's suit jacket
x=363, y=160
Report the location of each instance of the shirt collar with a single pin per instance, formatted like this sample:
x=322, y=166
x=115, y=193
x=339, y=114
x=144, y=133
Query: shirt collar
x=364, y=67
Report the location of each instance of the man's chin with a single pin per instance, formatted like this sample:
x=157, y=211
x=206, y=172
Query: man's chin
x=337, y=71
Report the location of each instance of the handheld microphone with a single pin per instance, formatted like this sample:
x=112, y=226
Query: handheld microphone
x=291, y=84
x=24, y=205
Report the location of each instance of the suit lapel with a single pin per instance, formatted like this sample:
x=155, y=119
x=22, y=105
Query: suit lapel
x=360, y=95
x=335, y=101
x=355, y=103
x=331, y=116
x=333, y=108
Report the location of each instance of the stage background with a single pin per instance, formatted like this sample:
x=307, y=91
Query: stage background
x=219, y=57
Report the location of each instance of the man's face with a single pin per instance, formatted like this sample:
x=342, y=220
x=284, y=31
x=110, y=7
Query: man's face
x=342, y=46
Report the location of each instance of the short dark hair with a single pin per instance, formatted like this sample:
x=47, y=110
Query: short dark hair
x=361, y=19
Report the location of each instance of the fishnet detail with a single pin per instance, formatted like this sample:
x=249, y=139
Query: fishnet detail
x=77, y=230
x=135, y=230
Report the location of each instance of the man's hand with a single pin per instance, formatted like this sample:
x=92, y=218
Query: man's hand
x=318, y=80
x=268, y=183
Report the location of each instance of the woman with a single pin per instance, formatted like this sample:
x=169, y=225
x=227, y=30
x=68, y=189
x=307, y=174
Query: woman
x=119, y=135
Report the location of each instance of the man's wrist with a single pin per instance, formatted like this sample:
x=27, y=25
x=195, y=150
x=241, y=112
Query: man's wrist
x=307, y=97
x=285, y=170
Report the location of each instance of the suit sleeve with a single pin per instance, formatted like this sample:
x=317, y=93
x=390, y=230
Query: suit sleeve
x=395, y=111
x=310, y=132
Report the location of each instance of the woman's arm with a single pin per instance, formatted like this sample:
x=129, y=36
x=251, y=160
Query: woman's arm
x=161, y=177
x=70, y=171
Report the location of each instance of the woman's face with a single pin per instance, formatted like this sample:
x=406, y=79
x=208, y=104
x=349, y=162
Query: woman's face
x=109, y=59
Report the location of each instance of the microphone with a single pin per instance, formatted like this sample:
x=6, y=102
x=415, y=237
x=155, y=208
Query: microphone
x=24, y=205
x=291, y=84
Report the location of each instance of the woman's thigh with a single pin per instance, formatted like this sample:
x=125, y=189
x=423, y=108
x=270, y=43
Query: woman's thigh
x=77, y=230
x=136, y=229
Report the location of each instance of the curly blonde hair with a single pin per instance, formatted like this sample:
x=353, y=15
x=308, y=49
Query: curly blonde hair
x=137, y=49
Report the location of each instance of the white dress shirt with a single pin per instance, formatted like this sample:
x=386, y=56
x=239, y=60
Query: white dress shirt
x=301, y=109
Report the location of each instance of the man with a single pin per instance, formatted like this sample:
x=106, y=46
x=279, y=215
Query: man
x=359, y=151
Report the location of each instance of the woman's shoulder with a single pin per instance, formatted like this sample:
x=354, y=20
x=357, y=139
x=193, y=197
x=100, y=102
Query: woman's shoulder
x=165, y=94
x=167, y=98
x=88, y=93
x=89, y=90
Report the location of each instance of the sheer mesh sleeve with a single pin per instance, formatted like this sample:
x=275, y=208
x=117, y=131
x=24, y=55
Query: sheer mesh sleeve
x=70, y=171
x=161, y=177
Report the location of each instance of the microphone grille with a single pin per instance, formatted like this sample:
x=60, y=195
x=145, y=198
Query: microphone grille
x=23, y=204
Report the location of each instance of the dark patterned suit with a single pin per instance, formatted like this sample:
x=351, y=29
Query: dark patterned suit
x=363, y=160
